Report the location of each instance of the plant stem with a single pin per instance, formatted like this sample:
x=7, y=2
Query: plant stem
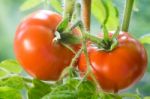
x=76, y=57
x=46, y=4
x=127, y=15
x=87, y=35
x=93, y=38
x=86, y=15
x=68, y=9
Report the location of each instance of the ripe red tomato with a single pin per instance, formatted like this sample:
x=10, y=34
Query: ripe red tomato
x=34, y=47
x=117, y=69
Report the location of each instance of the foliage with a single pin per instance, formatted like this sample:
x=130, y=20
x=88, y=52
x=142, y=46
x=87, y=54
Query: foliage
x=12, y=85
x=145, y=39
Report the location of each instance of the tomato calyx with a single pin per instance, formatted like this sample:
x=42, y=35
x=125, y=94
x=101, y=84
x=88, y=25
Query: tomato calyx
x=65, y=34
x=109, y=40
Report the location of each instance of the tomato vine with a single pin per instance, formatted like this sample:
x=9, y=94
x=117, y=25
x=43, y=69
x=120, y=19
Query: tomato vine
x=68, y=62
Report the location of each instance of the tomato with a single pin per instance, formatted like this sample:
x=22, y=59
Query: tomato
x=119, y=68
x=34, y=47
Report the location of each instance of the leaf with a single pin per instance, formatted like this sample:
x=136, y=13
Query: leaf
x=145, y=39
x=9, y=93
x=87, y=90
x=29, y=4
x=3, y=72
x=114, y=96
x=147, y=97
x=131, y=96
x=56, y=4
x=39, y=90
x=68, y=90
x=63, y=90
x=11, y=66
x=65, y=94
x=100, y=12
x=15, y=82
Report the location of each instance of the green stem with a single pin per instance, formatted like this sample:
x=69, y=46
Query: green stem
x=69, y=7
x=69, y=47
x=127, y=15
x=71, y=66
x=75, y=57
x=93, y=38
x=84, y=77
x=89, y=69
x=46, y=4
x=87, y=35
x=86, y=56
x=75, y=25
x=96, y=82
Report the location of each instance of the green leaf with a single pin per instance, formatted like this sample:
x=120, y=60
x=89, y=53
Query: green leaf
x=147, y=97
x=65, y=94
x=3, y=72
x=111, y=96
x=39, y=90
x=101, y=10
x=135, y=96
x=15, y=82
x=68, y=90
x=63, y=90
x=11, y=66
x=145, y=39
x=87, y=90
x=56, y=4
x=9, y=93
x=29, y=4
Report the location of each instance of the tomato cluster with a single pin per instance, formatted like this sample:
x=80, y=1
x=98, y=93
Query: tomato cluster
x=45, y=60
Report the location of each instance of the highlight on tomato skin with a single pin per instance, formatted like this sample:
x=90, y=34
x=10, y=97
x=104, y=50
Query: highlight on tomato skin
x=34, y=47
x=120, y=68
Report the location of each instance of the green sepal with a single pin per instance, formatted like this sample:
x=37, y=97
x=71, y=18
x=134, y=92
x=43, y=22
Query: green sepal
x=69, y=38
x=63, y=25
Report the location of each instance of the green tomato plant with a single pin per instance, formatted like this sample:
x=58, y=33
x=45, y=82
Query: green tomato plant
x=66, y=61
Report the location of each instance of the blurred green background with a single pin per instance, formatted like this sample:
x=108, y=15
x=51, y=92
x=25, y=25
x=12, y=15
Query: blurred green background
x=10, y=16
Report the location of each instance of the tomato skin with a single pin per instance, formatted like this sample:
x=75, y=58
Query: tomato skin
x=120, y=68
x=34, y=47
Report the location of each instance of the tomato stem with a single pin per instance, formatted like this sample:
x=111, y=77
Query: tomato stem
x=93, y=38
x=76, y=57
x=84, y=77
x=46, y=4
x=69, y=8
x=71, y=66
x=89, y=69
x=127, y=15
x=86, y=13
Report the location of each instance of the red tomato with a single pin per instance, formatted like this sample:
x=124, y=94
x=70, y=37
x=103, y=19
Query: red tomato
x=117, y=69
x=34, y=47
